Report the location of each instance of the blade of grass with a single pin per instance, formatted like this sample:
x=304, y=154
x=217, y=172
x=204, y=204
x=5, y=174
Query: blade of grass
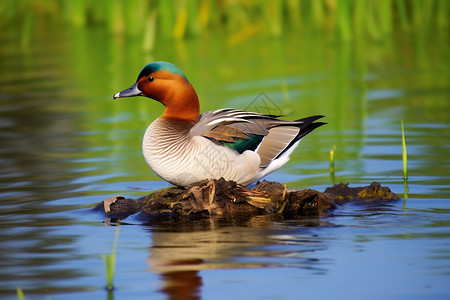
x=359, y=15
x=20, y=294
x=166, y=17
x=273, y=17
x=343, y=19
x=385, y=14
x=405, y=169
x=204, y=14
x=317, y=12
x=373, y=27
x=150, y=32
x=405, y=184
x=403, y=16
x=109, y=262
x=404, y=155
x=26, y=29
x=293, y=11
x=181, y=20
x=332, y=157
x=115, y=19
x=417, y=12
x=193, y=20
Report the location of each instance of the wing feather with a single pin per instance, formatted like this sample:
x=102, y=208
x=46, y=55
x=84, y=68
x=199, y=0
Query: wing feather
x=240, y=130
x=275, y=142
x=225, y=134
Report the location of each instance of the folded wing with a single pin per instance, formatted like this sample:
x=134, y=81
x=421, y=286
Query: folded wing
x=267, y=135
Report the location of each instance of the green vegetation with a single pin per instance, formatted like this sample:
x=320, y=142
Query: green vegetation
x=405, y=161
x=404, y=155
x=181, y=19
x=332, y=156
x=405, y=196
x=109, y=262
x=20, y=295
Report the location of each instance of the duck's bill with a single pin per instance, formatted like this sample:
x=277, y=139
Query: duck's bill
x=129, y=92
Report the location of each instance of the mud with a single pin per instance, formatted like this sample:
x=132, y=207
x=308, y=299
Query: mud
x=230, y=200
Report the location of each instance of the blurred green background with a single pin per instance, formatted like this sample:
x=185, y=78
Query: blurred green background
x=181, y=19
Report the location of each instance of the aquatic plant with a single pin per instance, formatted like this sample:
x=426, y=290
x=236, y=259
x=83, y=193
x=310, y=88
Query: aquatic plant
x=109, y=261
x=20, y=294
x=404, y=155
x=332, y=156
x=405, y=195
x=405, y=168
x=182, y=19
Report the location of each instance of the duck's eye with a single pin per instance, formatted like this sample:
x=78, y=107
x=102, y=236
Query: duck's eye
x=150, y=79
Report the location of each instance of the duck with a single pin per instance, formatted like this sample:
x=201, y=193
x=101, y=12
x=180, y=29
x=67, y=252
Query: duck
x=183, y=146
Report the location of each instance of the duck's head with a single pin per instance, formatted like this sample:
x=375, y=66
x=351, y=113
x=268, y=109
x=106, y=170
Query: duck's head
x=166, y=83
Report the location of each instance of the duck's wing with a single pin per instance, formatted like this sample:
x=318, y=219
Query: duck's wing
x=240, y=130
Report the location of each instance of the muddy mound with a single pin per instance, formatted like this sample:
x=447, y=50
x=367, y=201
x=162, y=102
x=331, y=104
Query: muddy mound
x=228, y=199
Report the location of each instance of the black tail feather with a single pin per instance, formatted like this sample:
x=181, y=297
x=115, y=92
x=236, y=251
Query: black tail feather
x=306, y=127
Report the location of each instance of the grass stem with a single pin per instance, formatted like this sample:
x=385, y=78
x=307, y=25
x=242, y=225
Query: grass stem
x=20, y=294
x=404, y=155
x=109, y=262
x=405, y=167
x=405, y=196
x=332, y=156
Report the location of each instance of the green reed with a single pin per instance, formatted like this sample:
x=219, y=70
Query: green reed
x=404, y=154
x=20, y=294
x=109, y=261
x=405, y=167
x=332, y=157
x=181, y=19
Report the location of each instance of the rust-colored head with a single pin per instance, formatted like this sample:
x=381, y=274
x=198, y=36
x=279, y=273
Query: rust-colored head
x=166, y=83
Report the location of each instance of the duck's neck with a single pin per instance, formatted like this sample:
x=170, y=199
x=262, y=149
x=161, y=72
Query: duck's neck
x=182, y=105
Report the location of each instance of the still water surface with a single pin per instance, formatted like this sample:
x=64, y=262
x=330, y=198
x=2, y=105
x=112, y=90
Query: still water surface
x=66, y=145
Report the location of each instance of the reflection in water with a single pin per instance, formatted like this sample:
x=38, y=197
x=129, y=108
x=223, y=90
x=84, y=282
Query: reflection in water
x=38, y=134
x=182, y=284
x=179, y=252
x=405, y=194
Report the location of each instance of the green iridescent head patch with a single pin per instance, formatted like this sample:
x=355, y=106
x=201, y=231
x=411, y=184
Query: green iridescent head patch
x=160, y=66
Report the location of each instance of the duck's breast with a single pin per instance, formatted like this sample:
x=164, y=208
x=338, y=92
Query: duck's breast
x=181, y=159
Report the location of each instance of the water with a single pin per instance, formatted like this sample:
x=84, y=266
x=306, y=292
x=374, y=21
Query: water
x=65, y=145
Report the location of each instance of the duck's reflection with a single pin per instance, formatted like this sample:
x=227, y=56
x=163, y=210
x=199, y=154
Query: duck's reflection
x=182, y=284
x=179, y=252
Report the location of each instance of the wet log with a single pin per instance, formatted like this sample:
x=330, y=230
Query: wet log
x=228, y=199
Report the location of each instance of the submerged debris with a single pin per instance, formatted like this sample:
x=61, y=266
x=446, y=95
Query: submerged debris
x=228, y=199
